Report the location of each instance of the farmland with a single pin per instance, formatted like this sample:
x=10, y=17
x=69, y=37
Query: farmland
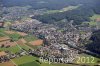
x=93, y=20
x=12, y=49
x=28, y=59
x=29, y=38
x=24, y=60
x=7, y=64
x=62, y=10
x=90, y=61
x=30, y=63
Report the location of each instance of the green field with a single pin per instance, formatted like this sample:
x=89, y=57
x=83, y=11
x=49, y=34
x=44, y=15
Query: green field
x=95, y=17
x=2, y=33
x=89, y=60
x=29, y=38
x=30, y=64
x=24, y=59
x=24, y=47
x=13, y=49
x=31, y=60
x=62, y=10
x=93, y=20
x=14, y=37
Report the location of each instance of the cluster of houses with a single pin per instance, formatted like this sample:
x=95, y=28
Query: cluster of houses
x=56, y=42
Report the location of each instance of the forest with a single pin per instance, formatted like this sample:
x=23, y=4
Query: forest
x=95, y=45
x=79, y=15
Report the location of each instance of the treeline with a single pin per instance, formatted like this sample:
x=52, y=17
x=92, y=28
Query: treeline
x=88, y=8
x=1, y=6
x=78, y=15
x=49, y=4
x=95, y=45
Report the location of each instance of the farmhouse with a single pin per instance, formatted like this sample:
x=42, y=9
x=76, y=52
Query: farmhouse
x=4, y=41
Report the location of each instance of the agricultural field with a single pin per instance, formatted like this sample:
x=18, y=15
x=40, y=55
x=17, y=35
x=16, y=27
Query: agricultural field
x=13, y=49
x=62, y=10
x=29, y=38
x=24, y=60
x=7, y=64
x=95, y=17
x=31, y=60
x=93, y=20
x=30, y=63
x=2, y=32
x=85, y=59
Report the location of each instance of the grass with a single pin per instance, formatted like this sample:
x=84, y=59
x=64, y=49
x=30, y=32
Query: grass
x=62, y=10
x=29, y=38
x=56, y=64
x=2, y=29
x=13, y=49
x=14, y=36
x=34, y=47
x=2, y=34
x=90, y=59
x=24, y=60
x=24, y=47
x=93, y=20
x=92, y=23
x=95, y=17
x=30, y=64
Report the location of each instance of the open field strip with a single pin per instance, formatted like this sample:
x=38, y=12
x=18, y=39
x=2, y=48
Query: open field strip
x=28, y=46
x=7, y=64
x=20, y=48
x=8, y=57
x=13, y=62
x=24, y=59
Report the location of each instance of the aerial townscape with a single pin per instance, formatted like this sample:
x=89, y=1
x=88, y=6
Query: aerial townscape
x=49, y=33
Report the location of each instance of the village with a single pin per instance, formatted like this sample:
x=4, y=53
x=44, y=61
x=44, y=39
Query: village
x=50, y=42
x=55, y=39
x=49, y=33
x=12, y=45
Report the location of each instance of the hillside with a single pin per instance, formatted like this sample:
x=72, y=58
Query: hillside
x=95, y=45
x=50, y=4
